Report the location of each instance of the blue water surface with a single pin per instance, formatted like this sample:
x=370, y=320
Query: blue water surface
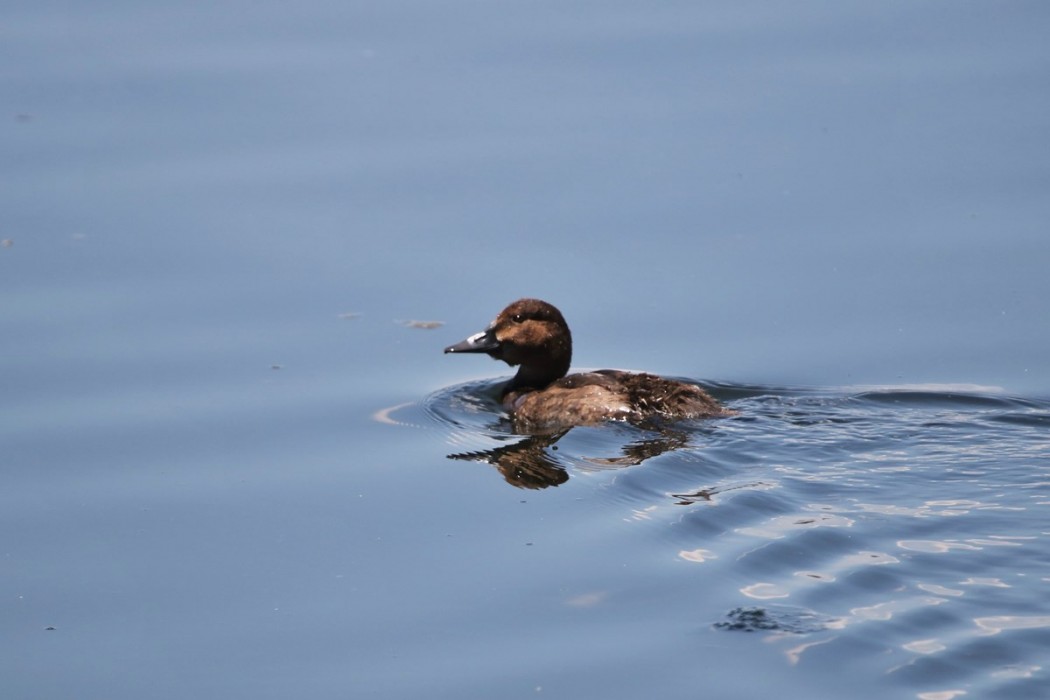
x=235, y=239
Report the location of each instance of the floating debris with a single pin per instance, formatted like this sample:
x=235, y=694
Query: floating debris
x=790, y=620
x=425, y=325
x=748, y=620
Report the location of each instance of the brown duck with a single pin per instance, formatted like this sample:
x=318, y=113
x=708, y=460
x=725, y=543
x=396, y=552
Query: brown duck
x=532, y=335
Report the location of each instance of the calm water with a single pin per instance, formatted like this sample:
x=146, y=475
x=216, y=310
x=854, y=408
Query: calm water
x=233, y=466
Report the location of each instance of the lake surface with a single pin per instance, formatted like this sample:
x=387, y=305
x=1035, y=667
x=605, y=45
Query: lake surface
x=236, y=464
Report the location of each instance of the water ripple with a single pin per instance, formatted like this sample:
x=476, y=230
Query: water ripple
x=911, y=524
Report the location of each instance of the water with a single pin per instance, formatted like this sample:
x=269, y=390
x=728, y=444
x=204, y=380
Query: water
x=225, y=448
x=887, y=533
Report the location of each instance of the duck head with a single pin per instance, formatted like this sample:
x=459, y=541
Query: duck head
x=529, y=334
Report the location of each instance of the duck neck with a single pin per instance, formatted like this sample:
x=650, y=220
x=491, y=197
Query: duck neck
x=538, y=377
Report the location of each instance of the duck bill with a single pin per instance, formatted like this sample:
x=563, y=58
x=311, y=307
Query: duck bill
x=485, y=341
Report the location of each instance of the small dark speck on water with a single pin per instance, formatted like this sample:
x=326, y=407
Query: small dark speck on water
x=276, y=366
x=425, y=325
x=49, y=629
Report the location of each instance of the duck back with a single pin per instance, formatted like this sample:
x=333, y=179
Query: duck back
x=592, y=397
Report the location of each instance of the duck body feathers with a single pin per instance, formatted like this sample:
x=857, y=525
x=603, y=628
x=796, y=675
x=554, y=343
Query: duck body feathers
x=590, y=398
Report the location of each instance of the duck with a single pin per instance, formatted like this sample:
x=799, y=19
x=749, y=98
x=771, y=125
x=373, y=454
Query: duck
x=532, y=335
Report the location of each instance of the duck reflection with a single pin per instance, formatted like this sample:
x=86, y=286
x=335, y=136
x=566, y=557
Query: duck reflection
x=530, y=464
x=525, y=464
